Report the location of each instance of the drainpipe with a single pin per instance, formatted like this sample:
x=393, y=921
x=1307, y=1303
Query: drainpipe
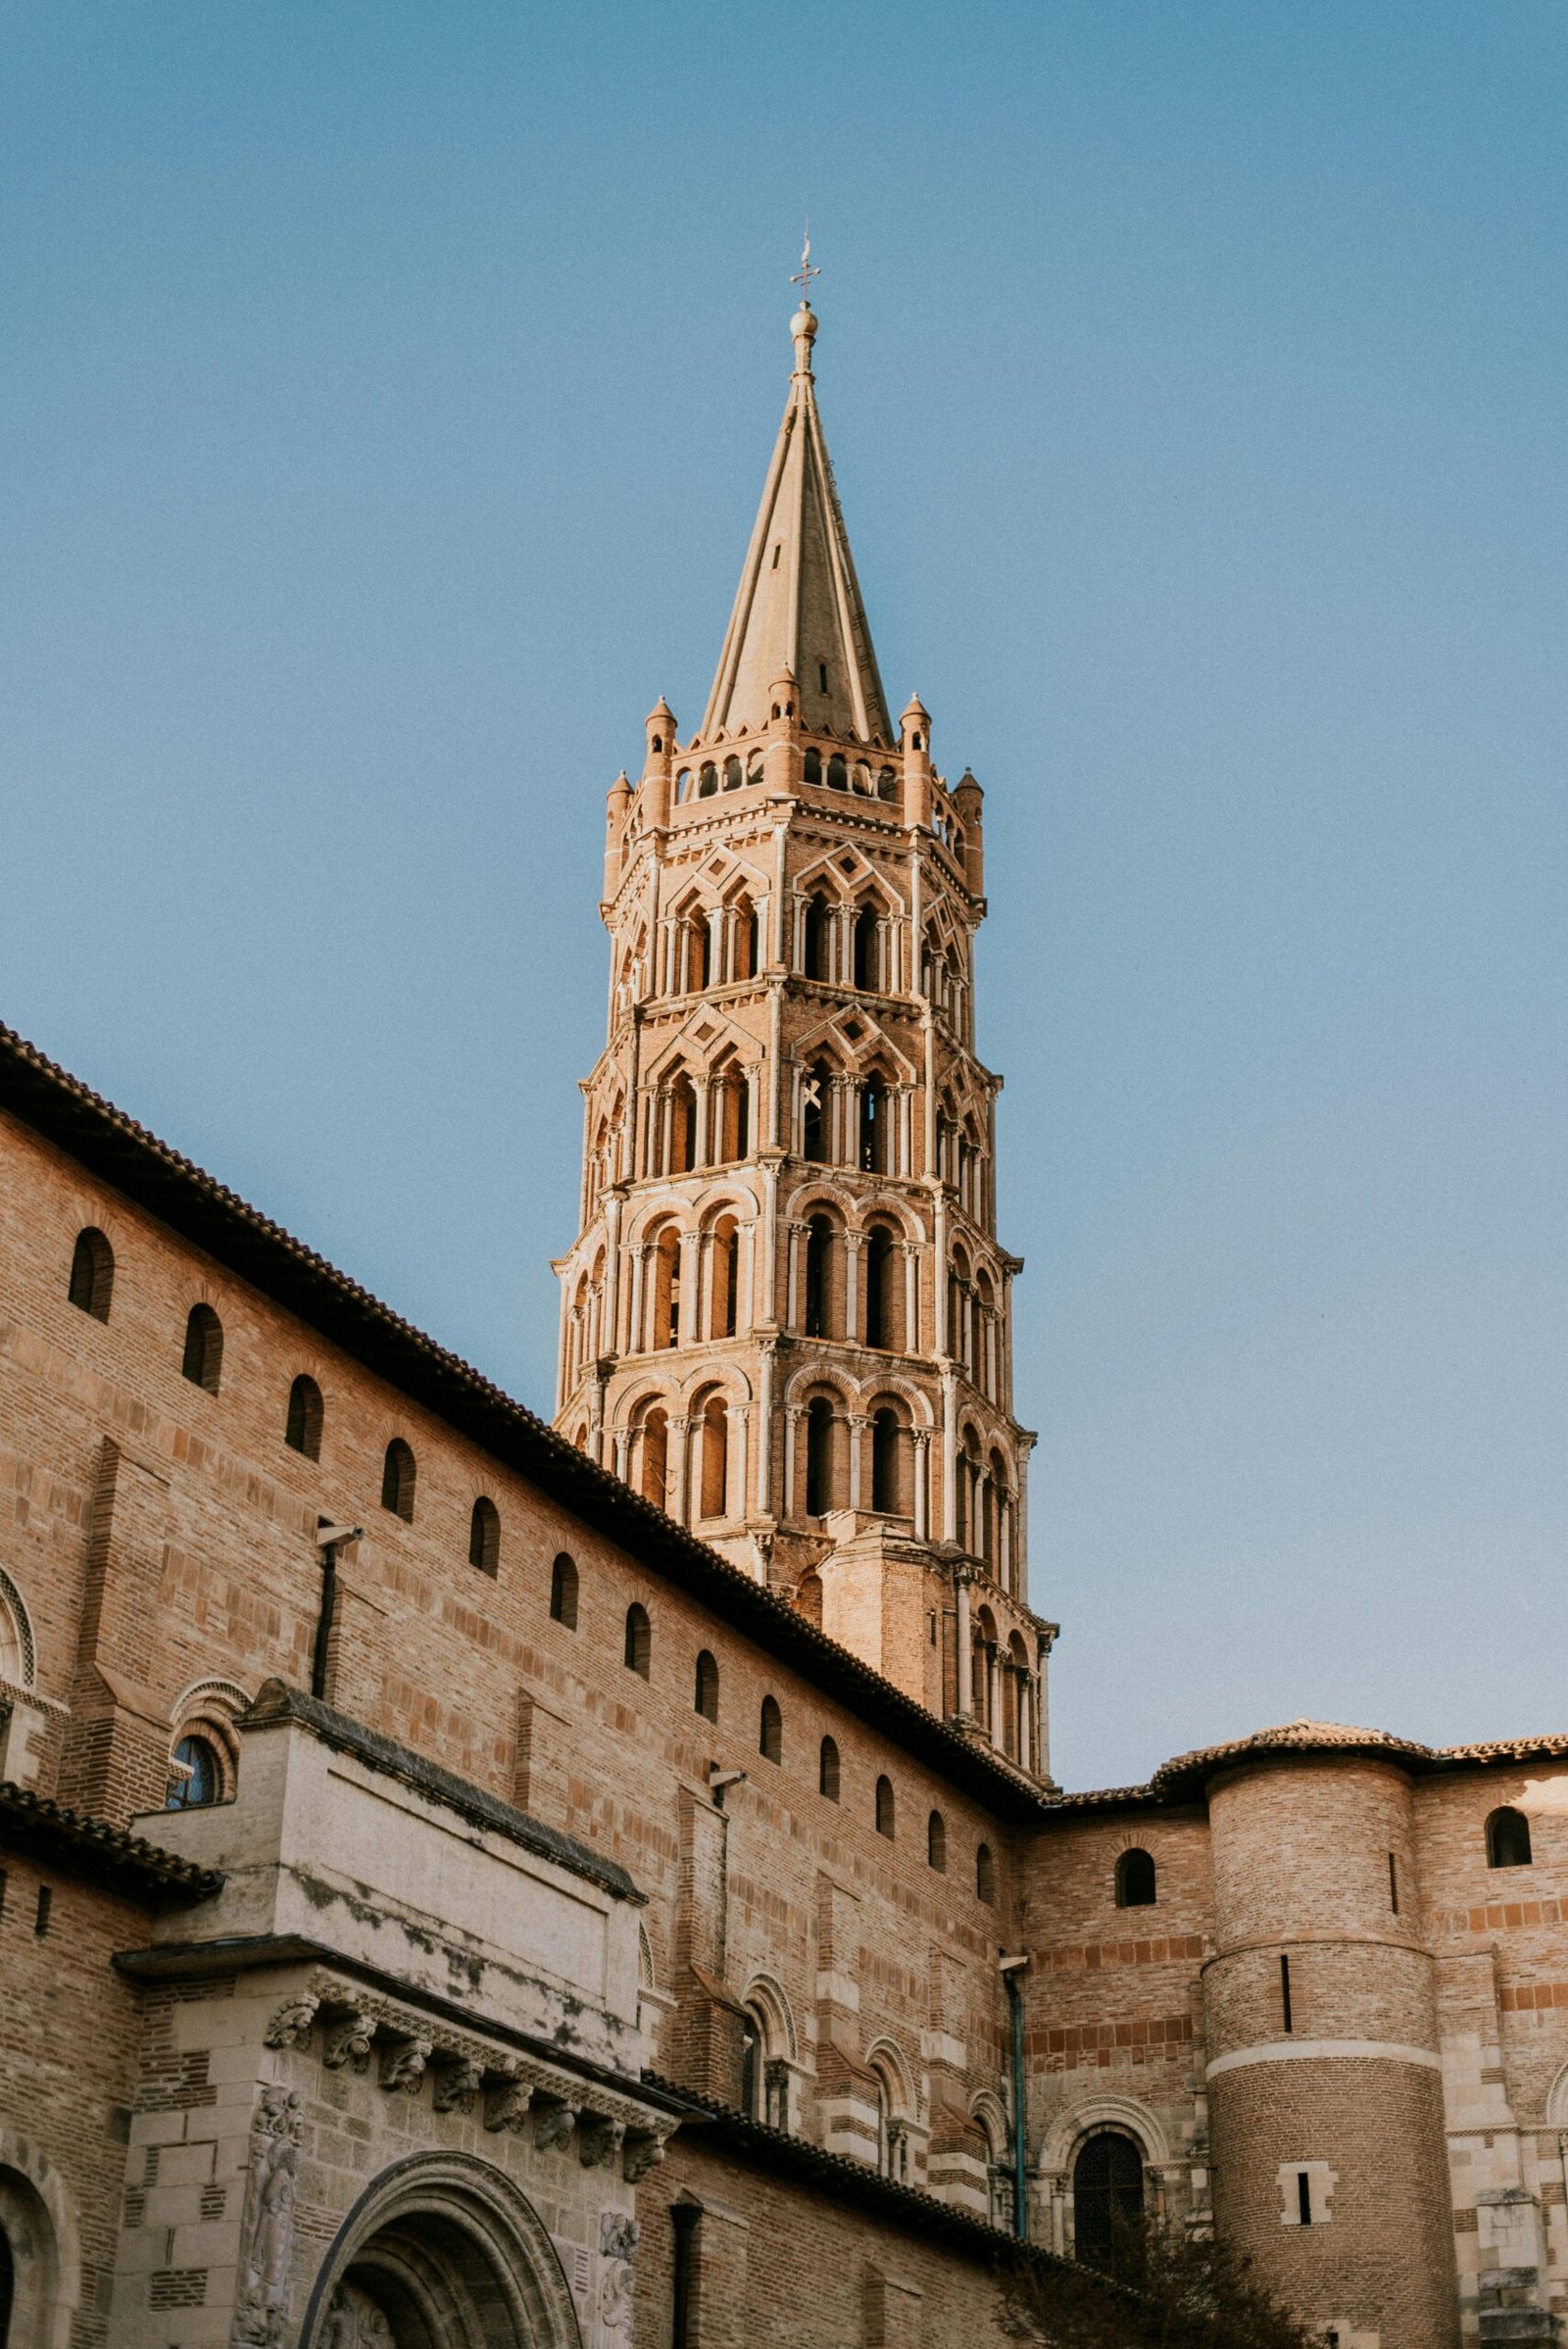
x=1011, y=1968
x=327, y=1539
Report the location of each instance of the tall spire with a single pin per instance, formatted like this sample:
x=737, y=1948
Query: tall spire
x=798, y=606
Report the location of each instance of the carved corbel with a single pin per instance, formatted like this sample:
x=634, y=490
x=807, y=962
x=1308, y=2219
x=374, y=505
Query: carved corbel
x=349, y=2041
x=291, y=2025
x=599, y=2139
x=506, y=2102
x=553, y=2121
x=456, y=2083
x=644, y=2150
x=403, y=2065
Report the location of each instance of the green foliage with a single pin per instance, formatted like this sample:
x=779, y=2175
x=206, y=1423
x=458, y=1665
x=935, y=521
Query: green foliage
x=1166, y=2291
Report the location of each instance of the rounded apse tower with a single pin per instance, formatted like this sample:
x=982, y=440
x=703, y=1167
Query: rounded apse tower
x=1324, y=2088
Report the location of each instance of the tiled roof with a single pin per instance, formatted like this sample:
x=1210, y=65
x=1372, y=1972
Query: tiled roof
x=124, y=1154
x=48, y=1830
x=1183, y=1779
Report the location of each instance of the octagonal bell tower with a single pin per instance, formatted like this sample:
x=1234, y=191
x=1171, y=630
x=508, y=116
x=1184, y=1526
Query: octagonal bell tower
x=787, y=1318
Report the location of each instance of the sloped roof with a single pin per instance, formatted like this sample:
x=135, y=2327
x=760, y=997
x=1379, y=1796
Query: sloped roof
x=50, y=1830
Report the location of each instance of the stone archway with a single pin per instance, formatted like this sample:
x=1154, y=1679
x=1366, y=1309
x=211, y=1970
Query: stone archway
x=441, y=2252
x=39, y=2261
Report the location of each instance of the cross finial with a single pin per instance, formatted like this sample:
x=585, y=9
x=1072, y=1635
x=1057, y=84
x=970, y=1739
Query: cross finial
x=804, y=274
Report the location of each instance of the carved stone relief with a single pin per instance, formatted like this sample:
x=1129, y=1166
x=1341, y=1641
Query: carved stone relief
x=268, y=2234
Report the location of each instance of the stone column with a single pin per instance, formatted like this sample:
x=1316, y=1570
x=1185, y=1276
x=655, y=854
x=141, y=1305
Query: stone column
x=703, y=1139
x=622, y=1441
x=792, y=1282
x=613, y=1272
x=912, y=1297
x=769, y=1244
x=746, y=1267
x=679, y=1467
x=922, y=1484
x=792, y=1420
x=764, y=1432
x=857, y=1425
x=852, y=1244
x=994, y=1695
x=950, y=1459
x=688, y=1329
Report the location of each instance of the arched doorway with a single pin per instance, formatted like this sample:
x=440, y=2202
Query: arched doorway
x=1107, y=2196
x=442, y=2252
x=8, y=2277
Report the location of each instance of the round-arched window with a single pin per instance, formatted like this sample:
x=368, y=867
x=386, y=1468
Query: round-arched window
x=1134, y=1881
x=1107, y=2199
x=199, y=1779
x=1508, y=1839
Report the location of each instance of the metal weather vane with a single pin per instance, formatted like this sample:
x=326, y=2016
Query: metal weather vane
x=803, y=275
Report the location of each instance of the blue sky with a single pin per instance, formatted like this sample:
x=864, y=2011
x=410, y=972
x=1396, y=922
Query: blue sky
x=387, y=395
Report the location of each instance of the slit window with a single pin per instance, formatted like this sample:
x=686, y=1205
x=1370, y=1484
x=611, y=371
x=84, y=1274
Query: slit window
x=484, y=1536
x=885, y=1820
x=639, y=1648
x=827, y=1771
x=564, y=1592
x=705, y=1695
x=92, y=1274
x=936, y=1843
x=301, y=1427
x=203, y=1362
x=1394, y=1883
x=397, y=1481
x=771, y=1737
x=1287, y=2020
x=1303, y=2196
x=984, y=1876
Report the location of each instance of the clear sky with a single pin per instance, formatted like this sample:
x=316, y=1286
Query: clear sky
x=386, y=398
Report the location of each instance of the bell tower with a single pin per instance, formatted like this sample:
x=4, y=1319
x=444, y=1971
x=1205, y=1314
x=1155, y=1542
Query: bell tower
x=787, y=1318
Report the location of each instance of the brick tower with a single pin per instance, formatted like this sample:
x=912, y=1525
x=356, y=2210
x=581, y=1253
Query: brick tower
x=787, y=1318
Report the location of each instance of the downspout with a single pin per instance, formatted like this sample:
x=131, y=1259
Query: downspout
x=1011, y=1968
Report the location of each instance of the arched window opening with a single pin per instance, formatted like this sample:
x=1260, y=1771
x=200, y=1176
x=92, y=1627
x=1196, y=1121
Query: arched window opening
x=827, y=1771
x=639, y=1650
x=732, y=1124
x=707, y=781
x=301, y=1427
x=887, y=784
x=838, y=772
x=727, y=1280
x=706, y=1696
x=484, y=1536
x=816, y=1094
x=753, y=769
x=985, y=1877
x=811, y=767
x=770, y=1739
x=936, y=1843
x=203, y=1362
x=1134, y=1881
x=683, y=785
x=652, y=1465
x=819, y=1456
x=879, y=1286
x=564, y=1592
x=885, y=1462
x=1107, y=2200
x=715, y=1424
x=92, y=1274
x=867, y=948
x=396, y=1480
x=197, y=1779
x=873, y=1150
x=818, y=1271
x=1508, y=1839
x=747, y=939
x=817, y=931
x=666, y=1289
x=682, y=1125
x=733, y=775
x=884, y=1808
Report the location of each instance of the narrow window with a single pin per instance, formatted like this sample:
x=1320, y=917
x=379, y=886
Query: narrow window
x=815, y=942
x=819, y=1259
x=865, y=948
x=564, y=1592
x=819, y=1456
x=47, y=1902
x=884, y=1808
x=878, y=1286
x=838, y=774
x=92, y=1273
x=821, y=676
x=203, y=1363
x=707, y=781
x=706, y=1697
x=484, y=1536
x=396, y=1480
x=827, y=1771
x=1507, y=1839
x=777, y=551
x=1285, y=1994
x=885, y=1462
x=198, y=1779
x=639, y=1641
x=936, y=1843
x=813, y=1115
x=873, y=1150
x=770, y=1740
x=714, y=1426
x=1304, y=2195
x=1394, y=1883
x=984, y=1876
x=302, y=1429
x=1134, y=1881
x=683, y=2218
x=813, y=772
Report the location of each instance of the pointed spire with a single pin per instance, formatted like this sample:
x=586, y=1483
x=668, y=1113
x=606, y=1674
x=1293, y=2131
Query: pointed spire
x=798, y=606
